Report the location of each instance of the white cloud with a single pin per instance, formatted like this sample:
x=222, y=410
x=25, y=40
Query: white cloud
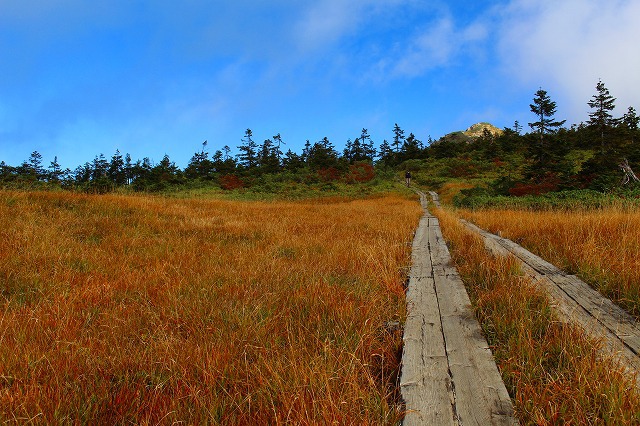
x=567, y=46
x=436, y=46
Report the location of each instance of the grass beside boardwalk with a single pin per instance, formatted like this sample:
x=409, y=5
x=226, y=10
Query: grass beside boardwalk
x=153, y=310
x=552, y=372
x=601, y=246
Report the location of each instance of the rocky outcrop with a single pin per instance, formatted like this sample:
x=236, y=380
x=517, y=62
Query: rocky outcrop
x=478, y=129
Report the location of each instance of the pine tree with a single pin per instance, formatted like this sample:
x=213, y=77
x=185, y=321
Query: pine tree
x=601, y=118
x=33, y=166
x=116, y=171
x=268, y=158
x=544, y=108
x=55, y=171
x=386, y=153
x=630, y=121
x=306, y=151
x=99, y=168
x=199, y=166
x=277, y=140
x=411, y=147
x=248, y=151
x=517, y=128
x=292, y=161
x=398, y=137
x=227, y=152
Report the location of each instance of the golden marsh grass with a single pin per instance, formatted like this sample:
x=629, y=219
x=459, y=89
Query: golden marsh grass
x=553, y=373
x=601, y=246
x=147, y=310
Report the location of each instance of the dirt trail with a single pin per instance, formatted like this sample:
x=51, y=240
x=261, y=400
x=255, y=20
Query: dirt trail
x=449, y=376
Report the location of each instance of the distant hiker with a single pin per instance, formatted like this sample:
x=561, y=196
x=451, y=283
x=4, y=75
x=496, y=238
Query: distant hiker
x=407, y=177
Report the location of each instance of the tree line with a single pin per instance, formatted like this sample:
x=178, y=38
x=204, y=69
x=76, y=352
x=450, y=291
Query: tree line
x=319, y=161
x=549, y=157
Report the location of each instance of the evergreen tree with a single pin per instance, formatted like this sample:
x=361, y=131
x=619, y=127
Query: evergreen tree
x=55, y=171
x=517, y=128
x=398, y=137
x=368, y=149
x=248, y=151
x=322, y=155
x=82, y=174
x=355, y=151
x=630, y=119
x=601, y=118
x=348, y=149
x=386, y=153
x=292, y=161
x=268, y=157
x=411, y=147
x=140, y=172
x=544, y=109
x=7, y=172
x=306, y=151
x=227, y=152
x=116, y=171
x=99, y=168
x=32, y=168
x=199, y=167
x=165, y=171
x=278, y=142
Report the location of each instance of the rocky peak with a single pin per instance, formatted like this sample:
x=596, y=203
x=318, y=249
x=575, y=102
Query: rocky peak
x=477, y=130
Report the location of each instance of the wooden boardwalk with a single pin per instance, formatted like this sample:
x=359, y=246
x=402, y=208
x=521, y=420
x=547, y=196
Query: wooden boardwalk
x=449, y=376
x=577, y=303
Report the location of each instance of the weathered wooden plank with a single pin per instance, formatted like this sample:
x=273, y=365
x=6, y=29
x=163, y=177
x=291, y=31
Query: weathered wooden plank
x=424, y=400
x=481, y=397
x=602, y=309
x=425, y=382
x=435, y=198
x=448, y=375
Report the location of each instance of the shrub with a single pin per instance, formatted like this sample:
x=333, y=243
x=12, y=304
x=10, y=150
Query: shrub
x=361, y=172
x=230, y=182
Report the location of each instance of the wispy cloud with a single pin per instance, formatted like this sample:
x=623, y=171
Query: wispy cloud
x=569, y=45
x=323, y=23
x=436, y=46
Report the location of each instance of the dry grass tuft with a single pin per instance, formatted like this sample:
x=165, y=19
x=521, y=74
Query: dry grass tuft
x=147, y=310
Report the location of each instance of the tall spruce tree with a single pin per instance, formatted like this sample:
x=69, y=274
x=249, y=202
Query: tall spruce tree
x=601, y=118
x=33, y=166
x=544, y=109
x=630, y=119
x=248, y=151
x=398, y=137
x=55, y=171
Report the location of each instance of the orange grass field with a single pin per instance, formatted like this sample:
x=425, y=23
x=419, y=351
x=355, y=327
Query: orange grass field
x=600, y=246
x=553, y=373
x=148, y=310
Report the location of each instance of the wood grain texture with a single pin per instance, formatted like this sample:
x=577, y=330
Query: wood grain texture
x=449, y=376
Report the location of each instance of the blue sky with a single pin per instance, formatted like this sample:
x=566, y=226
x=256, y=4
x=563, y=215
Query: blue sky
x=79, y=78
